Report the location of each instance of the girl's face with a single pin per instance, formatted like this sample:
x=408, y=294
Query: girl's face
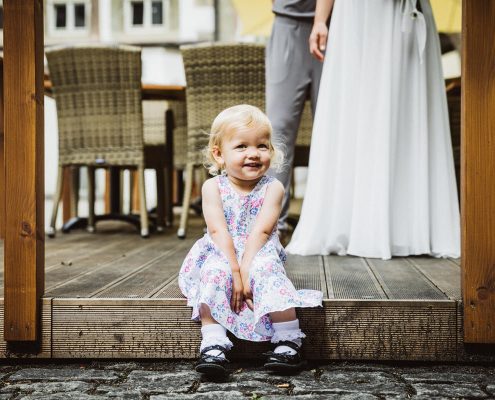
x=245, y=154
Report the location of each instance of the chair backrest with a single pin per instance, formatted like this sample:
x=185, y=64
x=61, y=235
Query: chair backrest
x=154, y=122
x=178, y=107
x=99, y=109
x=219, y=76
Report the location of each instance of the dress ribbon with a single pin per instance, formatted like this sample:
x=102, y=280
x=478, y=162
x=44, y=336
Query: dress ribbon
x=413, y=19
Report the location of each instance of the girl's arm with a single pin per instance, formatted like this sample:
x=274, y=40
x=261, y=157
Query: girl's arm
x=262, y=229
x=217, y=229
x=318, y=37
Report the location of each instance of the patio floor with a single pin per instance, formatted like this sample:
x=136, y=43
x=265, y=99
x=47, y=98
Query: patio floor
x=114, y=295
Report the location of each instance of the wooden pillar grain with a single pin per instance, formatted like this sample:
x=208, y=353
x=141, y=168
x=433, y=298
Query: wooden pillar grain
x=24, y=168
x=2, y=160
x=478, y=170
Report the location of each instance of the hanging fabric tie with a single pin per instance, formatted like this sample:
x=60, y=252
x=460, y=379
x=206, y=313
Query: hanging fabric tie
x=412, y=18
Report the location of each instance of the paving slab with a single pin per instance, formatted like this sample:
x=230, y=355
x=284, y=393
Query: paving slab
x=444, y=377
x=61, y=374
x=347, y=382
x=231, y=395
x=247, y=387
x=157, y=382
x=460, y=390
x=118, y=392
x=329, y=396
x=42, y=388
x=62, y=396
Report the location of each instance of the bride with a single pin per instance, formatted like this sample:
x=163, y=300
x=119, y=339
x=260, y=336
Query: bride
x=381, y=179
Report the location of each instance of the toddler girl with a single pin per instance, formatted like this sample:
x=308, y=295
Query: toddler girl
x=234, y=277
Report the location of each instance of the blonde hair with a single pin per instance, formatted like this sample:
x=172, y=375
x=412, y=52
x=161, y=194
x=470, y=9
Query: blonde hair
x=233, y=119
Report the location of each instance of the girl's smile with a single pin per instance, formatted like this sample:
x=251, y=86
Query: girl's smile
x=246, y=155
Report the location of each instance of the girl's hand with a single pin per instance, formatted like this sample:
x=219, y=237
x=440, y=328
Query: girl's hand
x=318, y=40
x=248, y=295
x=237, y=292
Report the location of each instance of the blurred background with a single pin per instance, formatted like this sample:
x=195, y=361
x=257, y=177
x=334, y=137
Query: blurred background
x=160, y=27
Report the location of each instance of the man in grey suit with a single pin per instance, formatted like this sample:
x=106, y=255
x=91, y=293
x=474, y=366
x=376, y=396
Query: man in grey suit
x=291, y=75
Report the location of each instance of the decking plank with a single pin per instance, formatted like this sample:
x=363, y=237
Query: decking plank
x=361, y=330
x=307, y=272
x=95, y=259
x=67, y=251
x=351, y=278
x=400, y=280
x=444, y=274
x=147, y=280
x=94, y=280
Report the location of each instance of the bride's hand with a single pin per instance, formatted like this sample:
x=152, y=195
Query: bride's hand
x=318, y=40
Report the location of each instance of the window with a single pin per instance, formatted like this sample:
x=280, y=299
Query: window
x=68, y=18
x=157, y=13
x=79, y=15
x=145, y=16
x=60, y=15
x=137, y=13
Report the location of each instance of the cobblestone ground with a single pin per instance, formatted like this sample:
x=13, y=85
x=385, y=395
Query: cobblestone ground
x=177, y=380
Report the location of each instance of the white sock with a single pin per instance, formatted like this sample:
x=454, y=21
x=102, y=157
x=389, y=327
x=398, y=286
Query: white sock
x=287, y=331
x=214, y=334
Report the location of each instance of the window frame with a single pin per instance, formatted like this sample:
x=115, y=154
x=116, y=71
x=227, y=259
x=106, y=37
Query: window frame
x=70, y=29
x=148, y=27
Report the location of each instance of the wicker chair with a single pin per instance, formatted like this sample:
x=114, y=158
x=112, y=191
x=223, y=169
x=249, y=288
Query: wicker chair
x=100, y=119
x=159, y=141
x=178, y=108
x=218, y=76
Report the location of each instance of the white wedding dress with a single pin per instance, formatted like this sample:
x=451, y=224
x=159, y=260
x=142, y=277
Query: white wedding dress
x=381, y=178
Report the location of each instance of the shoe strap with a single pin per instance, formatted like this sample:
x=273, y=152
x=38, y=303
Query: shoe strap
x=222, y=349
x=290, y=344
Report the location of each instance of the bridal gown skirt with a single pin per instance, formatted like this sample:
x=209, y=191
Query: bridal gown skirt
x=381, y=178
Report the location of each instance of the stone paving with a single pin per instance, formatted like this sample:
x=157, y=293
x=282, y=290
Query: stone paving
x=177, y=380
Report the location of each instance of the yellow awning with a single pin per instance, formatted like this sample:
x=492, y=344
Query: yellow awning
x=256, y=16
x=448, y=15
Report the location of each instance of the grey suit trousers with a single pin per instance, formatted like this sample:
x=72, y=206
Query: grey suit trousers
x=291, y=75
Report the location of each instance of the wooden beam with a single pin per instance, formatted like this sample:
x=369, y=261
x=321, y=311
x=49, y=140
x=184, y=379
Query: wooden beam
x=24, y=168
x=478, y=170
x=2, y=160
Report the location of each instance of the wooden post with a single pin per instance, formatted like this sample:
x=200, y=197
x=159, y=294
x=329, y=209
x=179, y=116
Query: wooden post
x=478, y=170
x=24, y=168
x=2, y=160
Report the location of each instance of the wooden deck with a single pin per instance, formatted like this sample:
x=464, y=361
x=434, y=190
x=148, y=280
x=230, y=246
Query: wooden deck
x=114, y=295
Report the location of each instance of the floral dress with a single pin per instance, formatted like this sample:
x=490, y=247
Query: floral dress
x=206, y=278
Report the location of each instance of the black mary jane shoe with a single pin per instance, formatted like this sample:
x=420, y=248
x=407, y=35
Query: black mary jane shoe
x=285, y=362
x=213, y=366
